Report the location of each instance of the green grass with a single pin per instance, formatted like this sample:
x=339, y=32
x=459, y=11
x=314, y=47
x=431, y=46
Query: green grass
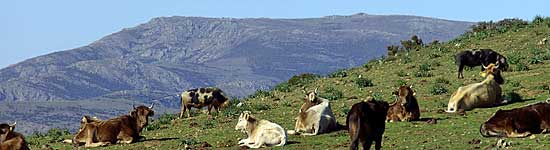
x=529, y=84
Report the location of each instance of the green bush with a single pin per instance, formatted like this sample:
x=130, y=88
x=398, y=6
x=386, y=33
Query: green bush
x=433, y=55
x=363, y=82
x=164, y=119
x=302, y=80
x=513, y=59
x=441, y=80
x=543, y=87
x=423, y=74
x=438, y=89
x=400, y=82
x=339, y=74
x=535, y=60
x=261, y=93
x=407, y=59
x=521, y=67
x=378, y=96
x=331, y=93
x=188, y=141
x=514, y=83
x=283, y=87
x=425, y=67
x=401, y=73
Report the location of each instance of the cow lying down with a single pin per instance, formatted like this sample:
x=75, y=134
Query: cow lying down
x=123, y=129
x=314, y=117
x=518, y=122
x=11, y=140
x=260, y=132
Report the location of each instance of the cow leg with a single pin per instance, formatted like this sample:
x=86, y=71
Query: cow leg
x=460, y=68
x=209, y=108
x=183, y=108
x=257, y=143
x=354, y=144
x=127, y=140
x=188, y=112
x=366, y=143
x=515, y=134
x=378, y=144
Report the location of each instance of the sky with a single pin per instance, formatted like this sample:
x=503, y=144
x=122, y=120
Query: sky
x=33, y=28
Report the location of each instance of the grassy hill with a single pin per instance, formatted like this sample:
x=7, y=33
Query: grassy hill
x=431, y=71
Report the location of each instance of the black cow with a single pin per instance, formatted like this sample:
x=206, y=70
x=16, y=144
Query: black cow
x=478, y=57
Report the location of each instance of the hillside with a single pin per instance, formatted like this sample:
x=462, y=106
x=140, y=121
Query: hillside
x=526, y=83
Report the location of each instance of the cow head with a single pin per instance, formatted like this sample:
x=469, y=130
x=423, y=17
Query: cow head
x=87, y=119
x=379, y=107
x=246, y=122
x=310, y=100
x=6, y=130
x=503, y=62
x=493, y=69
x=142, y=114
x=497, y=125
x=405, y=93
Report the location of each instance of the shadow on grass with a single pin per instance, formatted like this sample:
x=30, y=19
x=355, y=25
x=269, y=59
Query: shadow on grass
x=160, y=139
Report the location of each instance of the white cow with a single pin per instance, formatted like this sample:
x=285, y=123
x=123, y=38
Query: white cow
x=260, y=132
x=484, y=94
x=315, y=116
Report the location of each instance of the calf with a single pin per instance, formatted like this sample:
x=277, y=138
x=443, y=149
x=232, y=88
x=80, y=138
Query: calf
x=123, y=129
x=484, y=94
x=518, y=122
x=260, y=132
x=405, y=108
x=11, y=140
x=477, y=57
x=315, y=116
x=366, y=123
x=198, y=98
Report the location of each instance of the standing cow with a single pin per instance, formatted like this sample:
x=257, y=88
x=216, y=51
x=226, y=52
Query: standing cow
x=366, y=123
x=484, y=94
x=11, y=140
x=315, y=116
x=477, y=57
x=198, y=98
x=260, y=132
x=405, y=108
x=123, y=129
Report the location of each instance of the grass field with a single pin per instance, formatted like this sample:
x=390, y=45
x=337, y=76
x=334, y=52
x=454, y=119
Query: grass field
x=431, y=71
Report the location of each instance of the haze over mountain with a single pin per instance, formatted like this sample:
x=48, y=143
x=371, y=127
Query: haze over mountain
x=170, y=54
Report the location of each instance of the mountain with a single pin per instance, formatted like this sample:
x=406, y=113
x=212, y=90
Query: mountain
x=160, y=58
x=170, y=54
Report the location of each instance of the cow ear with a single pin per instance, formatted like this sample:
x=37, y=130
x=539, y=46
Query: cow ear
x=12, y=127
x=85, y=119
x=414, y=92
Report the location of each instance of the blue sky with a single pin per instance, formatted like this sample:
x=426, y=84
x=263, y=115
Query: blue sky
x=33, y=28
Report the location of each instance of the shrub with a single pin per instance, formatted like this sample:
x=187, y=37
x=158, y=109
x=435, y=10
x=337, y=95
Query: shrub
x=208, y=124
x=441, y=80
x=407, y=59
x=400, y=82
x=303, y=79
x=260, y=107
x=283, y=87
x=401, y=73
x=378, y=96
x=363, y=82
x=536, y=59
x=543, y=87
x=261, y=93
x=425, y=67
x=433, y=55
x=339, y=74
x=188, y=141
x=392, y=50
x=438, y=89
x=514, y=83
x=513, y=59
x=164, y=119
x=331, y=93
x=521, y=67
x=423, y=74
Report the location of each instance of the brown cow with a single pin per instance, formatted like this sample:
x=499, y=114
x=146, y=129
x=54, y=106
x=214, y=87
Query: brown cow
x=366, y=123
x=210, y=96
x=405, y=108
x=518, y=122
x=11, y=140
x=123, y=129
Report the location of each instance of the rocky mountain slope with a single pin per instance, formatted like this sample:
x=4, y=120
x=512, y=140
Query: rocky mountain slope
x=170, y=54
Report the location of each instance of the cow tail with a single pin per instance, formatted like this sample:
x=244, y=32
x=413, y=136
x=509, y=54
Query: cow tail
x=358, y=131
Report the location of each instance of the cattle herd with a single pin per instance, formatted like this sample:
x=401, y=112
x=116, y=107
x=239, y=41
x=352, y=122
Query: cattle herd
x=365, y=120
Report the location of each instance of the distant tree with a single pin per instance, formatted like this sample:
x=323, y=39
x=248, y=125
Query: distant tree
x=392, y=50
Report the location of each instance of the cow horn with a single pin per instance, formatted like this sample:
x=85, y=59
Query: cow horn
x=315, y=91
x=152, y=105
x=133, y=106
x=496, y=66
x=14, y=123
x=483, y=66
